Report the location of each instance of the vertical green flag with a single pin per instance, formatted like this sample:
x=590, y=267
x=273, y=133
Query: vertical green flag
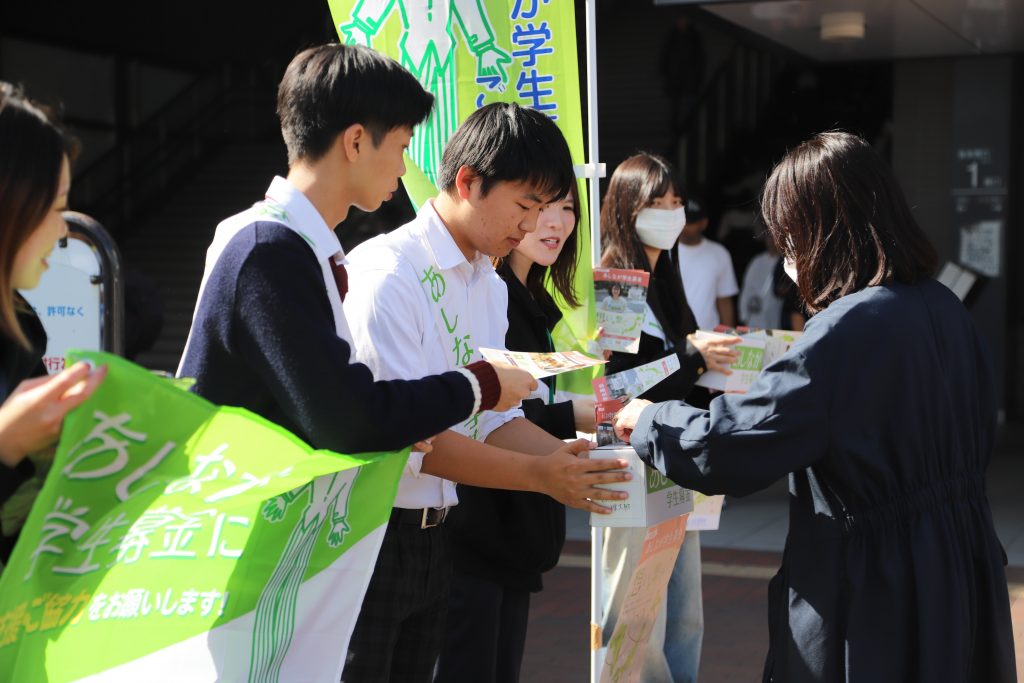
x=174, y=540
x=469, y=53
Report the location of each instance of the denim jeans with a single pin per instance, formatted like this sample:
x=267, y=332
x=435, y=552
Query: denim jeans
x=673, y=652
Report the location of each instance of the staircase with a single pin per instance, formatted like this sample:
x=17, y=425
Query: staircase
x=226, y=105
x=169, y=246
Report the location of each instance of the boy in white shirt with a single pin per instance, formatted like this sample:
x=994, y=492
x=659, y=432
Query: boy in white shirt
x=423, y=298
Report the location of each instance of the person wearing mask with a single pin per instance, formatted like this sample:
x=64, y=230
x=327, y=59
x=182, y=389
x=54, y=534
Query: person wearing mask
x=641, y=219
x=35, y=178
x=503, y=541
x=883, y=417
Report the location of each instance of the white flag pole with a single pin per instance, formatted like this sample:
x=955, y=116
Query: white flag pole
x=594, y=171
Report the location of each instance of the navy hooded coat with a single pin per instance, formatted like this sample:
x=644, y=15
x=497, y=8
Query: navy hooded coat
x=883, y=416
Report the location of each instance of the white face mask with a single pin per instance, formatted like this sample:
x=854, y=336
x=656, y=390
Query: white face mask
x=790, y=269
x=660, y=228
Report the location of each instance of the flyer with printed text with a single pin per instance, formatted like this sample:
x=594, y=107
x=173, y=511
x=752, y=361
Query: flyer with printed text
x=621, y=297
x=542, y=364
x=758, y=350
x=631, y=383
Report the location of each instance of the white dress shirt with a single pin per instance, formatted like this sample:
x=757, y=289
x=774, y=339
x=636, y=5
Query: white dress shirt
x=394, y=333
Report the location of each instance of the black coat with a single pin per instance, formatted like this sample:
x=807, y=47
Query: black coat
x=16, y=362
x=512, y=537
x=16, y=365
x=883, y=416
x=668, y=303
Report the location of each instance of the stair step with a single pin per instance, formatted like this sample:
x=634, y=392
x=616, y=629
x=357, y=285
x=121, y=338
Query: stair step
x=170, y=245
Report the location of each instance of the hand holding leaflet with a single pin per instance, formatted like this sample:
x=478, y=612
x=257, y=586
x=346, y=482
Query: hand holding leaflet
x=755, y=351
x=541, y=364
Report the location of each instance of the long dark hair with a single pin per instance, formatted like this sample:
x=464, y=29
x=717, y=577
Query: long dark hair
x=636, y=182
x=833, y=207
x=634, y=185
x=32, y=149
x=563, y=271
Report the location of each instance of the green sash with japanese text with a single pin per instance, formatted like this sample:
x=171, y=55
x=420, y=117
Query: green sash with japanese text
x=448, y=308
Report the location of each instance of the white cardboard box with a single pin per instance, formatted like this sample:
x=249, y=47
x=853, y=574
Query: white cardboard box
x=653, y=497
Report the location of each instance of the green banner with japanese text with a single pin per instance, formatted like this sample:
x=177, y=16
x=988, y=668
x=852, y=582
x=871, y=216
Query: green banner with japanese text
x=177, y=540
x=469, y=53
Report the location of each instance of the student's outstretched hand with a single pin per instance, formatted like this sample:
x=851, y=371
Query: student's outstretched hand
x=31, y=417
x=516, y=384
x=717, y=352
x=625, y=420
x=569, y=476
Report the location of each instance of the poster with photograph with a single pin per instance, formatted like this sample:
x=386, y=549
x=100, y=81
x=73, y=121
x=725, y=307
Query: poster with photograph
x=621, y=298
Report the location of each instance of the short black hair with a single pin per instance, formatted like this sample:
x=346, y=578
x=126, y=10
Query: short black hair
x=834, y=208
x=505, y=142
x=328, y=88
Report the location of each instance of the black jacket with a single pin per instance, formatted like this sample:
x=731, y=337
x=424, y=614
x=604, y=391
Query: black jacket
x=512, y=537
x=668, y=303
x=883, y=416
x=17, y=364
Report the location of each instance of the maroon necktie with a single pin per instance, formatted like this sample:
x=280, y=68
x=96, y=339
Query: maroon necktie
x=340, y=277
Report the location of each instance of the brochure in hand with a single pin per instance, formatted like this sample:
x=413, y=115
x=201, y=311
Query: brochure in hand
x=635, y=381
x=542, y=364
x=621, y=297
x=611, y=392
x=758, y=350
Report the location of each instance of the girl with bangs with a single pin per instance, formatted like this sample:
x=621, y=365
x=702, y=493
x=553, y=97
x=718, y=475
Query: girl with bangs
x=641, y=219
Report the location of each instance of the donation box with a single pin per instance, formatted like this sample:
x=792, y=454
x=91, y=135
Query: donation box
x=653, y=497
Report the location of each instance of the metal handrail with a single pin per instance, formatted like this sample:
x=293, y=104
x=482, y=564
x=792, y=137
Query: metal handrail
x=727, y=106
x=110, y=279
x=121, y=182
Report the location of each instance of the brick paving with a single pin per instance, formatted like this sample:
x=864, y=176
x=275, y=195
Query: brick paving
x=735, y=618
x=735, y=630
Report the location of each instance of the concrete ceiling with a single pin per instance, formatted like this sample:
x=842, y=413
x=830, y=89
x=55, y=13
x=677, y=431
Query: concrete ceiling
x=893, y=29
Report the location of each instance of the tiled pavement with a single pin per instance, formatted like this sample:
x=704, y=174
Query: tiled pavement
x=737, y=562
x=735, y=625
x=735, y=637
